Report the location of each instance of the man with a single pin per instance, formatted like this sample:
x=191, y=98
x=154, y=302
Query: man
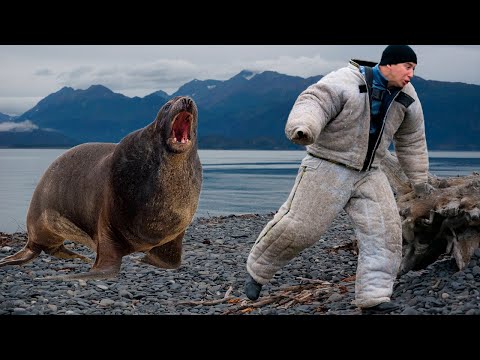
x=346, y=138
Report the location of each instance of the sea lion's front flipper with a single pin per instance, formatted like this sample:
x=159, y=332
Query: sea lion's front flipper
x=166, y=256
x=63, y=253
x=21, y=257
x=107, y=264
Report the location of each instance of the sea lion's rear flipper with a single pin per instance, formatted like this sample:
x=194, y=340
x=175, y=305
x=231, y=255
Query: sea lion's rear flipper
x=107, y=265
x=21, y=257
x=166, y=256
x=63, y=253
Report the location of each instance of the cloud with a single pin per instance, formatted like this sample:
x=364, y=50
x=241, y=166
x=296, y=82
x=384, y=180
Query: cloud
x=159, y=75
x=169, y=74
x=15, y=106
x=43, y=72
x=303, y=66
x=23, y=126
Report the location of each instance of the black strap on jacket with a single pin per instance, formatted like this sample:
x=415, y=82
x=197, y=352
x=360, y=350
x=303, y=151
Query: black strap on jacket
x=369, y=79
x=372, y=138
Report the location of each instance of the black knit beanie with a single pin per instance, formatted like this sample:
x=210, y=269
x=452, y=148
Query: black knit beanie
x=396, y=54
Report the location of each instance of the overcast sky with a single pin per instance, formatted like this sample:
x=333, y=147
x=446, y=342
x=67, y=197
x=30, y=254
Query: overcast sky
x=28, y=73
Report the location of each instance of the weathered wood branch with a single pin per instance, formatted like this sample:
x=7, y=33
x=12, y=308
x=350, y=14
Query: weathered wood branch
x=289, y=296
x=447, y=221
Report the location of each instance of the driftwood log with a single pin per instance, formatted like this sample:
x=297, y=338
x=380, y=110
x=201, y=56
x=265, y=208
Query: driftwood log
x=446, y=221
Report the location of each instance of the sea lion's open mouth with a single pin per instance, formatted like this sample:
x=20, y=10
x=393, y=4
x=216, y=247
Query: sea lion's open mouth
x=181, y=128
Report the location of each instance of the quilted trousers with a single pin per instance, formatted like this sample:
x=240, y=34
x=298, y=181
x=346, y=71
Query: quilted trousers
x=321, y=190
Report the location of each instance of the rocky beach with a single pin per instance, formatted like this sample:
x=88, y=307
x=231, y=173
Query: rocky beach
x=320, y=281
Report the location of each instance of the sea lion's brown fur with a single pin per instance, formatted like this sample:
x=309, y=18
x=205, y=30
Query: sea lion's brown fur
x=139, y=195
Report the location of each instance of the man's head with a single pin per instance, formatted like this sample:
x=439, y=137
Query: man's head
x=398, y=64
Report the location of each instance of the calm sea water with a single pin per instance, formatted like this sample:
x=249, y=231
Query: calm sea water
x=235, y=181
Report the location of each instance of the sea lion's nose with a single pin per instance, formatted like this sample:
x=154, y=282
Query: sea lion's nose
x=187, y=103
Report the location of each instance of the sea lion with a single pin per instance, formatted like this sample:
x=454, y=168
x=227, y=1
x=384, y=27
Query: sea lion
x=139, y=195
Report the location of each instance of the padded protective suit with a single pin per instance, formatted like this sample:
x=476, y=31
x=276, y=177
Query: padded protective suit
x=335, y=115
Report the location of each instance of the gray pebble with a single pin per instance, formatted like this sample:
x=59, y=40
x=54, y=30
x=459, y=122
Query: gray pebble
x=410, y=311
x=106, y=302
x=125, y=293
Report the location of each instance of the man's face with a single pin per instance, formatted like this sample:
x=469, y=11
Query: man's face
x=400, y=75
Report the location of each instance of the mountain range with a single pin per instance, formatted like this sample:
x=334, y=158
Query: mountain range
x=4, y=117
x=247, y=111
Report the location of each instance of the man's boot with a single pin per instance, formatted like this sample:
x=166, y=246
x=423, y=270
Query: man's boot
x=252, y=288
x=382, y=308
